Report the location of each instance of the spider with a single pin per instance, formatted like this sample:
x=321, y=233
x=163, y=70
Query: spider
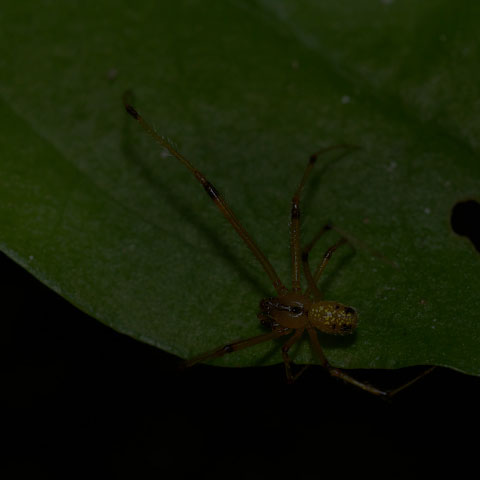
x=292, y=311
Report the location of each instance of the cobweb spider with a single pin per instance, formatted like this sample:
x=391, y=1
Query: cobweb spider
x=292, y=311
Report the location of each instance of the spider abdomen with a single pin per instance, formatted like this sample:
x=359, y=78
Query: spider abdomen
x=333, y=317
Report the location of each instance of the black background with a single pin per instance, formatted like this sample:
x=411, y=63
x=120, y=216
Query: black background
x=82, y=398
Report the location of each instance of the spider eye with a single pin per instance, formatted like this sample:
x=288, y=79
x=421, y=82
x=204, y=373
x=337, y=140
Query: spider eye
x=266, y=304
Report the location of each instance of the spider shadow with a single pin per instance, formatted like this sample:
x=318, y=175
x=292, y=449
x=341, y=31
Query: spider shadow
x=316, y=177
x=183, y=208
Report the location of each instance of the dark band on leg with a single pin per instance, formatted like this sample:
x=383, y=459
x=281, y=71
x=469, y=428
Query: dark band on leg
x=131, y=111
x=295, y=211
x=211, y=191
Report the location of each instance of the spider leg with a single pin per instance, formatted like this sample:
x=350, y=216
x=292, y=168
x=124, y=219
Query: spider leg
x=355, y=242
x=295, y=249
x=427, y=371
x=336, y=372
x=286, y=359
x=214, y=195
x=326, y=258
x=312, y=287
x=233, y=347
x=312, y=280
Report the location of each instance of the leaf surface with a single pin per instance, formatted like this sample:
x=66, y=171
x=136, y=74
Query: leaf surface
x=247, y=90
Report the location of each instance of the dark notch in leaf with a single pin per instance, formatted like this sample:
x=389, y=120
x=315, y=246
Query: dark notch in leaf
x=465, y=221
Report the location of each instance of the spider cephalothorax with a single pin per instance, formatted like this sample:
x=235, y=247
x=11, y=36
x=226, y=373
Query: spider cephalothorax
x=297, y=311
x=287, y=311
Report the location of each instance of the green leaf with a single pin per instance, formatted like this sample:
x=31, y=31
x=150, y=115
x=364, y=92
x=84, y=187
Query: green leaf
x=248, y=90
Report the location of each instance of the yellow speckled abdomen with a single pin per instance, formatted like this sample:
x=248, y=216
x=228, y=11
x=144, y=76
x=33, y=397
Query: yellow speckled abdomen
x=333, y=317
